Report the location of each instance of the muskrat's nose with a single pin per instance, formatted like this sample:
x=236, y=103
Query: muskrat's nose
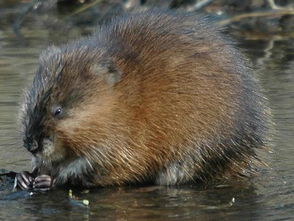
x=30, y=144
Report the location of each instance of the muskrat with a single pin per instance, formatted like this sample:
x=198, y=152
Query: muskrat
x=152, y=97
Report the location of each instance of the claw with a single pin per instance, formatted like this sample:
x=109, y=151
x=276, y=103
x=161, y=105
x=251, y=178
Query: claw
x=42, y=183
x=24, y=180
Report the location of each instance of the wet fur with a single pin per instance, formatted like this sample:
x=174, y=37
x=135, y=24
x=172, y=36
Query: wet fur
x=153, y=97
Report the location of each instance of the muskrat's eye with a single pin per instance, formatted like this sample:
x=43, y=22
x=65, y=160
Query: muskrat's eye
x=57, y=111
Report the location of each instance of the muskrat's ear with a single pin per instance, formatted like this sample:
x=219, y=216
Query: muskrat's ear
x=107, y=70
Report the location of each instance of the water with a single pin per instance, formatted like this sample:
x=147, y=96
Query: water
x=270, y=196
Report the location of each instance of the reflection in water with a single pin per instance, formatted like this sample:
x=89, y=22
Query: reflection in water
x=275, y=71
x=143, y=203
x=268, y=197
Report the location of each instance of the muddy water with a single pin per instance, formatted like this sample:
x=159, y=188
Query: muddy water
x=267, y=197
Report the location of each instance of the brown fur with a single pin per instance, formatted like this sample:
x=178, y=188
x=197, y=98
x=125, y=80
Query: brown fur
x=151, y=97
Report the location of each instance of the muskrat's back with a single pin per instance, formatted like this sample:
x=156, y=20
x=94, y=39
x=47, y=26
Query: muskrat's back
x=151, y=97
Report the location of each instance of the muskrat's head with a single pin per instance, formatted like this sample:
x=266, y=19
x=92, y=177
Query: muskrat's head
x=60, y=100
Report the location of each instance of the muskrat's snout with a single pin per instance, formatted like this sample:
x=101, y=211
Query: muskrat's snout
x=31, y=144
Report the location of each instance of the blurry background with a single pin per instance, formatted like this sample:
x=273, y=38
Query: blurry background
x=263, y=29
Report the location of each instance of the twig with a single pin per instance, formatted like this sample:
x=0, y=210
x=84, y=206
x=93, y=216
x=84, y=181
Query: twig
x=237, y=18
x=132, y=4
x=273, y=5
x=200, y=5
x=16, y=26
x=84, y=8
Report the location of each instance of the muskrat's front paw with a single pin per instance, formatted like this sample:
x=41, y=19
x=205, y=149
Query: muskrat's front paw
x=24, y=180
x=43, y=183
